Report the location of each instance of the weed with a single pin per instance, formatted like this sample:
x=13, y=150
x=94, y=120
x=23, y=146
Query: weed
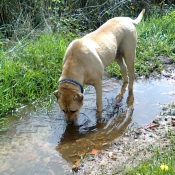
x=31, y=72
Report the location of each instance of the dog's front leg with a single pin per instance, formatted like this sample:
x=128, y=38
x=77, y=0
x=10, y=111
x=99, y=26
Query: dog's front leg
x=98, y=88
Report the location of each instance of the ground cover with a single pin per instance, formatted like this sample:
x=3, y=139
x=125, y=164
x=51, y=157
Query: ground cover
x=30, y=73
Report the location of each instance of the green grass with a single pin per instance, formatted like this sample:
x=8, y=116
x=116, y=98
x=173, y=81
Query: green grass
x=161, y=156
x=156, y=37
x=31, y=72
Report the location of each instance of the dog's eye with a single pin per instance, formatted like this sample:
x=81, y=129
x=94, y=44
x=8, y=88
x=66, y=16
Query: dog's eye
x=73, y=111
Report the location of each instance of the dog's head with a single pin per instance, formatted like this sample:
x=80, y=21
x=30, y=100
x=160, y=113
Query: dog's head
x=70, y=102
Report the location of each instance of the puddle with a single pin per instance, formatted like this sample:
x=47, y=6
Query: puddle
x=39, y=142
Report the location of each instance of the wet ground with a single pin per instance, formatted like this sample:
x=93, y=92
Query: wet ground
x=40, y=142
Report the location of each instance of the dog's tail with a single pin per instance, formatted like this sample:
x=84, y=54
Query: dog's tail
x=139, y=18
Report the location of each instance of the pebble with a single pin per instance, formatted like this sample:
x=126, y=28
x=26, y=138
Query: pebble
x=156, y=121
x=173, y=123
x=138, y=132
x=172, y=111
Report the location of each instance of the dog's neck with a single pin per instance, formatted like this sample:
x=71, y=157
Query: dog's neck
x=70, y=84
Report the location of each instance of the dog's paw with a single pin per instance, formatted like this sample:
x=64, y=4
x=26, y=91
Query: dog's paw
x=101, y=120
x=98, y=113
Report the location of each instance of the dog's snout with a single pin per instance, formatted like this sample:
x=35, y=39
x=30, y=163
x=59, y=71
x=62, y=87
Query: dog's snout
x=70, y=122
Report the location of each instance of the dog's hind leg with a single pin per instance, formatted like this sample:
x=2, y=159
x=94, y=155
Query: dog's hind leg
x=121, y=63
x=123, y=69
x=129, y=57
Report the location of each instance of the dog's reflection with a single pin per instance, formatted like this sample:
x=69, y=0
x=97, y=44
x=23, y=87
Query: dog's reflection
x=130, y=98
x=74, y=145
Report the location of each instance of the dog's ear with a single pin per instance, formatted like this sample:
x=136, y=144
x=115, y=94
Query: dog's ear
x=57, y=94
x=79, y=98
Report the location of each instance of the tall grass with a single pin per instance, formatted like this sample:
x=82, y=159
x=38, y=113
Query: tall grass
x=31, y=72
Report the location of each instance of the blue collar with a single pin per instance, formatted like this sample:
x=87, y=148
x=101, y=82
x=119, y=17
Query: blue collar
x=72, y=81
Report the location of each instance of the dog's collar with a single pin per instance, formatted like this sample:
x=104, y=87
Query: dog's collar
x=72, y=81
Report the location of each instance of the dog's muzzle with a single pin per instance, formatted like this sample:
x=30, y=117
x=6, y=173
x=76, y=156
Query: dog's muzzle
x=70, y=122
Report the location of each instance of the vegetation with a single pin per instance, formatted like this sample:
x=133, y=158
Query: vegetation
x=35, y=34
x=31, y=71
x=20, y=17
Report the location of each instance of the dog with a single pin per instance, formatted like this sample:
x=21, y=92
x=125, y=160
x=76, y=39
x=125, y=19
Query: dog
x=86, y=58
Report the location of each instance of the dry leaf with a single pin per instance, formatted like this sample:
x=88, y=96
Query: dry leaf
x=73, y=155
x=101, y=138
x=103, y=144
x=95, y=151
x=87, y=140
x=153, y=125
x=77, y=162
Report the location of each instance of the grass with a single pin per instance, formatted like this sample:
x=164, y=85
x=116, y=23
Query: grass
x=156, y=37
x=31, y=72
x=162, y=162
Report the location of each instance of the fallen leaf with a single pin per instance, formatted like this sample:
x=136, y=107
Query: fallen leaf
x=73, y=155
x=153, y=125
x=80, y=140
x=95, y=151
x=103, y=144
x=87, y=140
x=77, y=162
x=101, y=138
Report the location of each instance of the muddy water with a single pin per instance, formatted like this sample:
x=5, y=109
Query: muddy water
x=40, y=142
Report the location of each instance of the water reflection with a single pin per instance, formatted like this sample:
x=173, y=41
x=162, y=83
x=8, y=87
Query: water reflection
x=74, y=144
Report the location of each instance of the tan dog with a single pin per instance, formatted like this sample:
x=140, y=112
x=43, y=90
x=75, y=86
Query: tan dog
x=86, y=58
